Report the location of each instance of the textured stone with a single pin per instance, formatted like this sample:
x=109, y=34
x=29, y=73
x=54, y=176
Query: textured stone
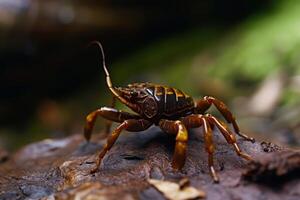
x=60, y=169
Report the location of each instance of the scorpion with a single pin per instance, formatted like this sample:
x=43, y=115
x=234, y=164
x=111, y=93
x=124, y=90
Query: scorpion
x=174, y=111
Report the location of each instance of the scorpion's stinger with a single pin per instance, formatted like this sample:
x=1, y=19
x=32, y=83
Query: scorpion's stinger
x=108, y=80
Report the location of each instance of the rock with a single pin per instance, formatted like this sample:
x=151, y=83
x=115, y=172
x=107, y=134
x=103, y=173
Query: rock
x=274, y=167
x=60, y=169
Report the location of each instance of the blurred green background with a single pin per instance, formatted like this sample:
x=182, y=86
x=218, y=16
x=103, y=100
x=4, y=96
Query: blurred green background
x=246, y=53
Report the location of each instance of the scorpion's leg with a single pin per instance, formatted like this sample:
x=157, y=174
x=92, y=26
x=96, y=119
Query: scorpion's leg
x=107, y=113
x=197, y=120
x=129, y=125
x=209, y=147
x=230, y=138
x=206, y=102
x=109, y=122
x=178, y=128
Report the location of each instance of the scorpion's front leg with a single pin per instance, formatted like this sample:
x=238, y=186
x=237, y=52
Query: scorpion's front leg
x=178, y=128
x=129, y=125
x=204, y=104
x=107, y=113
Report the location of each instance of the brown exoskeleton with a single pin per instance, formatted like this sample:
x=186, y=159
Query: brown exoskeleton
x=169, y=108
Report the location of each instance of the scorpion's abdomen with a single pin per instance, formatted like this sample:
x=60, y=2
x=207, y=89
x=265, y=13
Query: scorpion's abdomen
x=171, y=101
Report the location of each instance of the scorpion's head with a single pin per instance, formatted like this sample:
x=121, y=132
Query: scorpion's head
x=141, y=97
x=129, y=95
x=134, y=94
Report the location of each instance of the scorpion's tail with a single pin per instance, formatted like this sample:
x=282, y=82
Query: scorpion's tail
x=108, y=80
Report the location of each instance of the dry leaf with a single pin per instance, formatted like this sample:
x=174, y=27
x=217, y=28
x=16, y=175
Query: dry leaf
x=172, y=190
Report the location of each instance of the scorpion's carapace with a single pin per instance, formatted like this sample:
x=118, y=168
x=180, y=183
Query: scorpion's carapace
x=169, y=108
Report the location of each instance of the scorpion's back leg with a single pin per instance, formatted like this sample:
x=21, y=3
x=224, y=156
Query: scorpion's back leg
x=209, y=147
x=107, y=113
x=129, y=125
x=178, y=128
x=230, y=138
x=194, y=121
x=203, y=104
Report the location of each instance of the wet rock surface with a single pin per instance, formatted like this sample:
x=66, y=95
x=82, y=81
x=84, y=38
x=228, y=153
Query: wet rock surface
x=60, y=169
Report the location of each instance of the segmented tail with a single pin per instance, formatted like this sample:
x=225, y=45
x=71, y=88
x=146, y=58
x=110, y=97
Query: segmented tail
x=108, y=80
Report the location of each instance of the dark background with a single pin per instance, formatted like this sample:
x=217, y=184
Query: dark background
x=49, y=79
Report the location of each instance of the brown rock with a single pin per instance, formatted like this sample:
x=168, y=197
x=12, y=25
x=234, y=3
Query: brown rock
x=60, y=169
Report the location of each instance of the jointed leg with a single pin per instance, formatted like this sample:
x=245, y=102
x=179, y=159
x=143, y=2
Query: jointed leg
x=197, y=120
x=178, y=128
x=130, y=125
x=209, y=146
x=181, y=146
x=230, y=138
x=107, y=113
x=206, y=102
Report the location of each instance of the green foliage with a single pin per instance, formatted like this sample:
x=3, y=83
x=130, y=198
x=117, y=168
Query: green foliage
x=263, y=44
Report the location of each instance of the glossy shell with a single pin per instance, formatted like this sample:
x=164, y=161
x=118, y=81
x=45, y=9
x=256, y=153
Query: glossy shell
x=171, y=103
